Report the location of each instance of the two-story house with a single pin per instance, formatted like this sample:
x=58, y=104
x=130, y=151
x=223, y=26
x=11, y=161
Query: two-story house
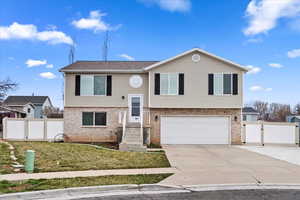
x=192, y=98
x=31, y=106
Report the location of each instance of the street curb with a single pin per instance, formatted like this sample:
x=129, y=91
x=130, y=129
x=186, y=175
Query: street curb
x=134, y=189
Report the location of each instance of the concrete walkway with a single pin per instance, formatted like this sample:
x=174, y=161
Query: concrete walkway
x=223, y=164
x=286, y=153
x=73, y=174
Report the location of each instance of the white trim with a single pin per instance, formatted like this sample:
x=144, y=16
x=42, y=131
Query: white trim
x=201, y=51
x=103, y=70
x=141, y=96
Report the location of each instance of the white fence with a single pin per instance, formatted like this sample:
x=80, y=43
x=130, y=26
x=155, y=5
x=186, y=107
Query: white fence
x=23, y=129
x=270, y=132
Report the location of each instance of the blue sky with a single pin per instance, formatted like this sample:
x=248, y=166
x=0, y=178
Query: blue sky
x=262, y=34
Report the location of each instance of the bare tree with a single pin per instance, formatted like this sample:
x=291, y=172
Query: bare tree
x=278, y=112
x=262, y=109
x=5, y=86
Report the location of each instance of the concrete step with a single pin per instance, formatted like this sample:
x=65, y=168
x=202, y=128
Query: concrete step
x=135, y=147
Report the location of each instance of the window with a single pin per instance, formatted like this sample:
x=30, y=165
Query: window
x=28, y=110
x=100, y=118
x=92, y=85
x=169, y=84
x=222, y=84
x=135, y=106
x=94, y=118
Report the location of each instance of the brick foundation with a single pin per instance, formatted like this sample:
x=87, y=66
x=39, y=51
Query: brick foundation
x=157, y=112
x=74, y=131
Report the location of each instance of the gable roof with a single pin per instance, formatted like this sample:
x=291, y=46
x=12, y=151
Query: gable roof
x=249, y=110
x=23, y=100
x=107, y=66
x=200, y=51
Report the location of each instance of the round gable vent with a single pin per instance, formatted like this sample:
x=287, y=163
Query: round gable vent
x=196, y=58
x=136, y=81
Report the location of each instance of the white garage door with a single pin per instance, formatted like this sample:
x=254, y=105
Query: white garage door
x=195, y=130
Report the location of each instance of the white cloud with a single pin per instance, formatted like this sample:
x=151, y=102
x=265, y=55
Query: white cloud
x=293, y=53
x=257, y=88
x=47, y=75
x=275, y=65
x=171, y=5
x=254, y=40
x=126, y=56
x=264, y=14
x=30, y=32
x=49, y=66
x=253, y=70
x=94, y=22
x=35, y=63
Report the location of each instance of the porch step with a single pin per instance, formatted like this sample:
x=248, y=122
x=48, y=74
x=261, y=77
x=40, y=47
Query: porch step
x=133, y=125
x=134, y=147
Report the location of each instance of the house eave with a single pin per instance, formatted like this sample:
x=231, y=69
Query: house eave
x=201, y=51
x=101, y=71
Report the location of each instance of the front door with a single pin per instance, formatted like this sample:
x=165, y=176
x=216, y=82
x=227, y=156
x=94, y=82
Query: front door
x=135, y=106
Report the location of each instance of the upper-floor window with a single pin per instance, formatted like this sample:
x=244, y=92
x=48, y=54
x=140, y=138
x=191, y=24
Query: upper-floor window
x=93, y=85
x=28, y=110
x=223, y=84
x=169, y=84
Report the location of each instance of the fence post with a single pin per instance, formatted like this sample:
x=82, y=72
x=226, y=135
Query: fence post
x=262, y=133
x=244, y=132
x=4, y=121
x=26, y=127
x=45, y=128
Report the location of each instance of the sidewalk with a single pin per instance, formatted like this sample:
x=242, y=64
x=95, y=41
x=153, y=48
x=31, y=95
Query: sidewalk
x=73, y=174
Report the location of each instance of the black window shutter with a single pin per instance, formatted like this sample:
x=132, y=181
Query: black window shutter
x=235, y=84
x=157, y=84
x=181, y=84
x=210, y=84
x=77, y=85
x=108, y=85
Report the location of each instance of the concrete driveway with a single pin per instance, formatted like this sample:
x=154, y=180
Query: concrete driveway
x=223, y=164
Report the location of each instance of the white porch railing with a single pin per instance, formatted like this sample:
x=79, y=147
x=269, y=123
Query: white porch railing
x=144, y=120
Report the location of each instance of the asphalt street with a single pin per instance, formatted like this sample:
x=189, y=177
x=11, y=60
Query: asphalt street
x=212, y=195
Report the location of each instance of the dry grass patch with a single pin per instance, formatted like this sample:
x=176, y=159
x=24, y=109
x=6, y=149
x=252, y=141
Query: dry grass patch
x=46, y=184
x=5, y=161
x=52, y=157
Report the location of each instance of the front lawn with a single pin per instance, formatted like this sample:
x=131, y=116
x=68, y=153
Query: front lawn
x=52, y=157
x=5, y=161
x=47, y=184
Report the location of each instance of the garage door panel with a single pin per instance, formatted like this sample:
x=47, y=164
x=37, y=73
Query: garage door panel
x=194, y=130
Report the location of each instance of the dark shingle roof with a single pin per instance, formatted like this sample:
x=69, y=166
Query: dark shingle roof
x=107, y=66
x=249, y=110
x=22, y=100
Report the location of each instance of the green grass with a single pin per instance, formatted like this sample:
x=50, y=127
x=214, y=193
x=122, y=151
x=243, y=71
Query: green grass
x=52, y=157
x=47, y=184
x=5, y=161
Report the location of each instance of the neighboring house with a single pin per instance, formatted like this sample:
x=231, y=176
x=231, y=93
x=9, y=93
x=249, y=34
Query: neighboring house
x=250, y=114
x=192, y=98
x=293, y=118
x=32, y=105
